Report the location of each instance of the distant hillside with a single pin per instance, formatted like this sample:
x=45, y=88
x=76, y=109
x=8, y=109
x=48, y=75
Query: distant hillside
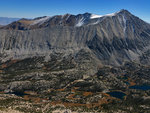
x=6, y=20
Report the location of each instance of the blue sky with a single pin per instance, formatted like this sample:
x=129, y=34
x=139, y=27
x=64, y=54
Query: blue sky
x=36, y=8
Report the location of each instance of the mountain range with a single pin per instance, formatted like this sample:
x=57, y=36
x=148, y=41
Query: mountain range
x=82, y=63
x=6, y=20
x=112, y=39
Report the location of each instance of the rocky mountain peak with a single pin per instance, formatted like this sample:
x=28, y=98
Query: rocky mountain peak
x=124, y=11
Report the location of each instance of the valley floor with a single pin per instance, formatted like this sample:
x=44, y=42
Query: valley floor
x=48, y=87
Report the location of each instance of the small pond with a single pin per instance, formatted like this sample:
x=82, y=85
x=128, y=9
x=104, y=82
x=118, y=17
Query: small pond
x=18, y=93
x=117, y=94
x=127, y=83
x=140, y=87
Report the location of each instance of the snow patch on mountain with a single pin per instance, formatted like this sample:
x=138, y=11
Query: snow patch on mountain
x=68, y=17
x=112, y=14
x=124, y=21
x=41, y=21
x=95, y=16
x=80, y=22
